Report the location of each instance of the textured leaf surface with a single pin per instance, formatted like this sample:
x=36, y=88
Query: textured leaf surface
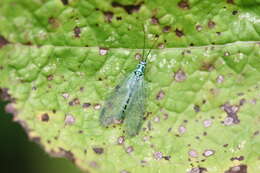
x=203, y=81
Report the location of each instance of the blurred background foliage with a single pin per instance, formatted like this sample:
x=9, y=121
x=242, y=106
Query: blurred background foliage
x=18, y=154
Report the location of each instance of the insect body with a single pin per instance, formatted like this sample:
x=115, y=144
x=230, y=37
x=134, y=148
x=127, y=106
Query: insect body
x=127, y=102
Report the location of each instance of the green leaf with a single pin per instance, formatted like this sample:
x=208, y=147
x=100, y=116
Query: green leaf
x=60, y=59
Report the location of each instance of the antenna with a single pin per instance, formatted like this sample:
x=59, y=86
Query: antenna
x=155, y=41
x=144, y=43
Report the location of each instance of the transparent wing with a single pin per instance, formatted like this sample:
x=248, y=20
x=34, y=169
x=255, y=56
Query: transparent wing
x=113, y=109
x=135, y=110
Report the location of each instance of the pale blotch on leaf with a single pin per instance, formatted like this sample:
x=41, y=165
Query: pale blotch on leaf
x=97, y=106
x=207, y=123
x=138, y=56
x=94, y=164
x=65, y=95
x=228, y=121
x=103, y=51
x=208, y=153
x=124, y=171
x=193, y=153
x=182, y=130
x=198, y=170
x=160, y=95
x=69, y=119
x=161, y=46
x=220, y=79
x=180, y=76
x=237, y=169
x=211, y=24
x=129, y=149
x=226, y=54
x=156, y=119
x=198, y=28
x=231, y=111
x=154, y=20
x=121, y=140
x=158, y=155
x=50, y=77
x=74, y=102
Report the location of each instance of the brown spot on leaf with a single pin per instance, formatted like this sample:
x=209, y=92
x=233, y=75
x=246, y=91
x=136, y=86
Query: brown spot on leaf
x=36, y=139
x=103, y=51
x=138, y=56
x=240, y=158
x=230, y=1
x=68, y=154
x=167, y=157
x=65, y=95
x=98, y=150
x=196, y=108
x=198, y=170
x=166, y=29
x=129, y=149
x=86, y=105
x=160, y=95
x=97, y=106
x=211, y=24
x=77, y=32
x=3, y=41
x=161, y=46
x=119, y=18
x=207, y=66
x=231, y=111
x=74, y=102
x=45, y=117
x=198, y=28
x=128, y=8
x=65, y=2
x=53, y=22
x=108, y=16
x=121, y=140
x=234, y=12
x=226, y=54
x=180, y=76
x=242, y=102
x=256, y=133
x=50, y=77
x=4, y=95
x=179, y=33
x=225, y=145
x=94, y=164
x=237, y=169
x=184, y=4
x=154, y=20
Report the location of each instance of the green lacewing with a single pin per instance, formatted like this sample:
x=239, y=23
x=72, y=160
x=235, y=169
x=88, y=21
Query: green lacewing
x=126, y=104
